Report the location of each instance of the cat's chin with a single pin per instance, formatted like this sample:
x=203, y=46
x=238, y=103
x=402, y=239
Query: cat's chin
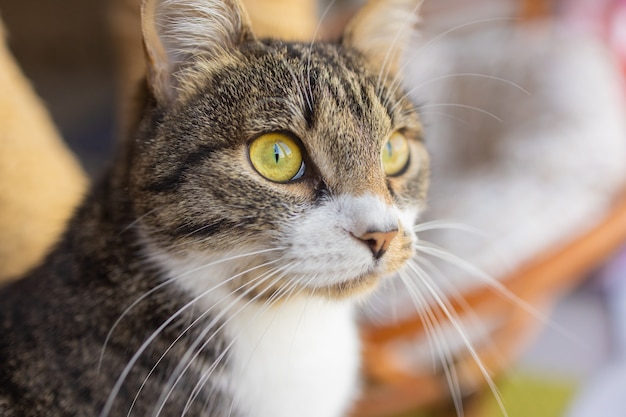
x=356, y=287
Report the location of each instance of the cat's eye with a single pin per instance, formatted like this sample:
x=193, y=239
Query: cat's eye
x=277, y=157
x=396, y=154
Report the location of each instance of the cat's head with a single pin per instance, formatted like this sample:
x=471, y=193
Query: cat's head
x=303, y=163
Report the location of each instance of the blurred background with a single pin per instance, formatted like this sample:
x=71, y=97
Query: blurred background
x=523, y=104
x=65, y=49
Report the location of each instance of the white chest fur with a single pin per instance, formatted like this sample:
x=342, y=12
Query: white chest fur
x=299, y=357
x=296, y=359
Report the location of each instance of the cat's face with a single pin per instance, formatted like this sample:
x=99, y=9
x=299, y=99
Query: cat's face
x=307, y=157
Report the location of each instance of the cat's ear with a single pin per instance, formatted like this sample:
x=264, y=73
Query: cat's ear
x=382, y=30
x=179, y=34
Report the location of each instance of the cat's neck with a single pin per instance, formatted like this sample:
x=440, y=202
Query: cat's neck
x=296, y=345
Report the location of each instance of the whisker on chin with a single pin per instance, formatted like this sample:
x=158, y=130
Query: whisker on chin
x=372, y=313
x=294, y=289
x=181, y=369
x=440, y=253
x=126, y=371
x=446, y=353
x=267, y=303
x=170, y=281
x=438, y=337
x=185, y=331
x=264, y=307
x=465, y=309
x=453, y=319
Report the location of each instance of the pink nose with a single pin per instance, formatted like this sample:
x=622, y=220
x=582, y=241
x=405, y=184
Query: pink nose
x=378, y=242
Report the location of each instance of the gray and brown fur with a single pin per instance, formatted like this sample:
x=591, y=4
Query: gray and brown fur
x=182, y=183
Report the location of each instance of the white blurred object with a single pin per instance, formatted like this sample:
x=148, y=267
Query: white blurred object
x=527, y=129
x=528, y=143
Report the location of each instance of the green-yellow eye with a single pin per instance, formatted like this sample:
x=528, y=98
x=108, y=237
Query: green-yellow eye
x=396, y=154
x=277, y=157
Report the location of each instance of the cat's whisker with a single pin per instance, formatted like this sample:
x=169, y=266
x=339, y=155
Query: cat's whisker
x=453, y=319
x=267, y=303
x=447, y=115
x=495, y=284
x=264, y=307
x=464, y=106
x=204, y=378
x=448, y=225
x=288, y=290
x=374, y=302
x=192, y=353
x=464, y=25
x=432, y=322
x=449, y=292
x=468, y=312
x=186, y=330
x=414, y=89
x=310, y=99
x=136, y=221
x=396, y=83
x=409, y=19
x=198, y=229
x=446, y=256
x=472, y=75
x=425, y=314
x=181, y=369
x=302, y=95
x=124, y=374
x=171, y=281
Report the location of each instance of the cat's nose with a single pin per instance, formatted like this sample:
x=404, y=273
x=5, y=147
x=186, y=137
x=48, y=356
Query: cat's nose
x=378, y=242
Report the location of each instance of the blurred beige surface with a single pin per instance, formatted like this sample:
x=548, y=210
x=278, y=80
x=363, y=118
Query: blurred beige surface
x=40, y=181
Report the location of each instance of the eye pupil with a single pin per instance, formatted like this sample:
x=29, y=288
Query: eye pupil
x=277, y=152
x=389, y=148
x=281, y=151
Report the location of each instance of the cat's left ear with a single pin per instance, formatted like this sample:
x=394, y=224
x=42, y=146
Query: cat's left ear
x=382, y=31
x=179, y=35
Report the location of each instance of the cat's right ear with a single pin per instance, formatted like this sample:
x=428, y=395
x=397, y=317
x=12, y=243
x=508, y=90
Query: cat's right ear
x=182, y=35
x=382, y=31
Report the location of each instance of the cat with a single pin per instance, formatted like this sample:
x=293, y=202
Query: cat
x=214, y=270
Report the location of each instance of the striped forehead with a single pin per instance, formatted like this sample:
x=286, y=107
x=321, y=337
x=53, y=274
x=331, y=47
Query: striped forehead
x=350, y=127
x=326, y=97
